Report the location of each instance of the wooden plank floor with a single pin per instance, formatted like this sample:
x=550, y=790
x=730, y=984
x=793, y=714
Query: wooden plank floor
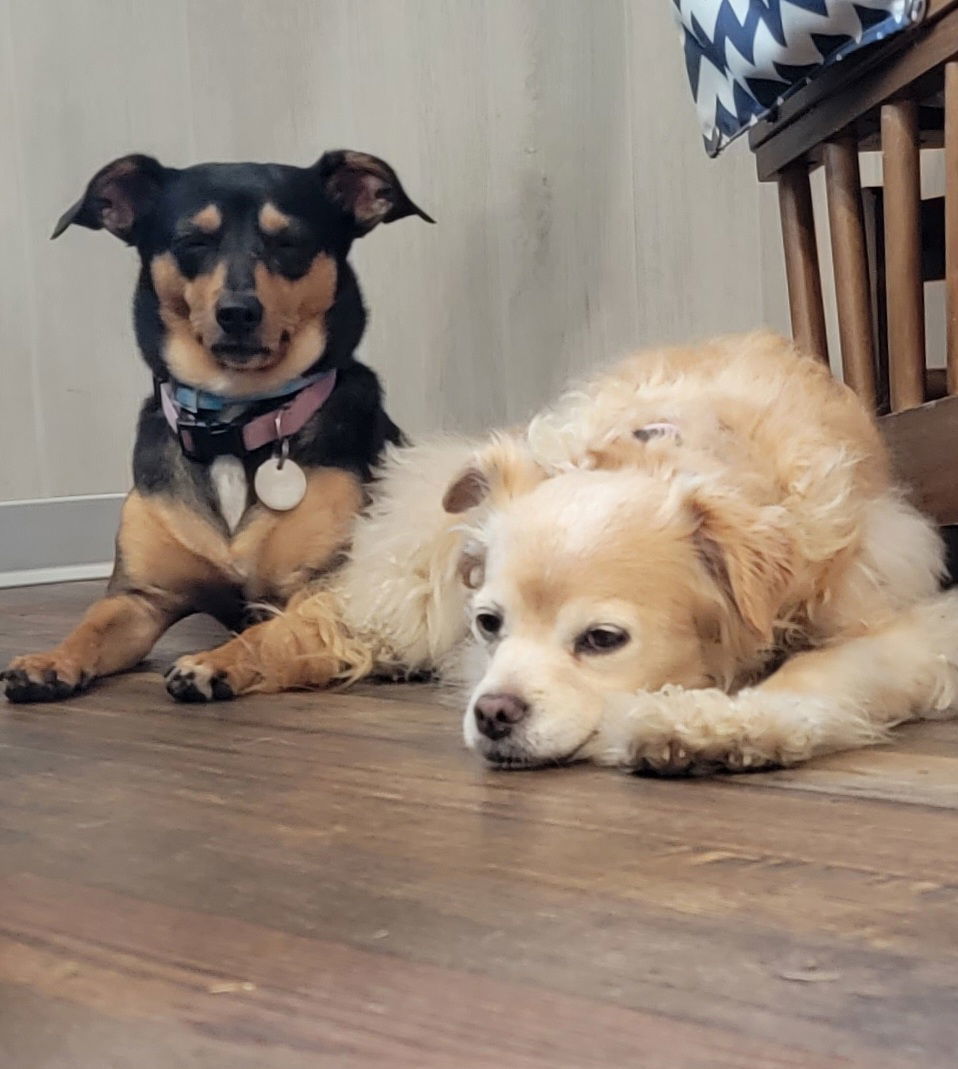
x=330, y=880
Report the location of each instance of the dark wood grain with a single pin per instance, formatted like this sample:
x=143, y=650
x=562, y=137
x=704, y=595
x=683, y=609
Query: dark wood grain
x=331, y=880
x=951, y=223
x=850, y=263
x=873, y=210
x=802, y=272
x=924, y=440
x=905, y=297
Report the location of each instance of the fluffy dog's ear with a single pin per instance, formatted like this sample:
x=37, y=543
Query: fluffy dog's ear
x=118, y=197
x=503, y=470
x=366, y=189
x=748, y=551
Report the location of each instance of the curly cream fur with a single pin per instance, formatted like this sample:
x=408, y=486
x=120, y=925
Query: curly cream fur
x=776, y=481
x=396, y=603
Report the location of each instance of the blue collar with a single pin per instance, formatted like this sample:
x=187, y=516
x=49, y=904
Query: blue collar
x=194, y=400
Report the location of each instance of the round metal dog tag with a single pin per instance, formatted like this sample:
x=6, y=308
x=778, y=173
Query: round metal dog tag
x=280, y=484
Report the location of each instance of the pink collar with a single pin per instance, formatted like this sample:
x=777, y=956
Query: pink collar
x=196, y=434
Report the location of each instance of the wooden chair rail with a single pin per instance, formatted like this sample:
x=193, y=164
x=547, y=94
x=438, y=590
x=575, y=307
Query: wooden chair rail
x=886, y=243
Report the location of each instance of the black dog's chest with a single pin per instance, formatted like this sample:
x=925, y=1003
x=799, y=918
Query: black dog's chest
x=224, y=602
x=348, y=432
x=231, y=490
x=238, y=491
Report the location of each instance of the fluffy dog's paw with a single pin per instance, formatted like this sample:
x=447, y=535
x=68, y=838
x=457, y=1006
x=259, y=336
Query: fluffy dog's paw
x=677, y=732
x=189, y=680
x=43, y=677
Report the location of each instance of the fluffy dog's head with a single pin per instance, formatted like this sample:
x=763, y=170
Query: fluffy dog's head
x=592, y=582
x=244, y=264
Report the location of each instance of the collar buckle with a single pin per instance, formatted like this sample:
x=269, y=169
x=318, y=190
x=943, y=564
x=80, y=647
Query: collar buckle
x=204, y=442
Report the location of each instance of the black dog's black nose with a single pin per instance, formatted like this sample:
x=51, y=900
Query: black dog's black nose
x=497, y=714
x=239, y=313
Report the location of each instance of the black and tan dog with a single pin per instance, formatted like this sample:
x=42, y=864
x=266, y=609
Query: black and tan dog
x=251, y=455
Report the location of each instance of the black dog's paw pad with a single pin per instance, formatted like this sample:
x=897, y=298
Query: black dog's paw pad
x=194, y=683
x=220, y=687
x=22, y=686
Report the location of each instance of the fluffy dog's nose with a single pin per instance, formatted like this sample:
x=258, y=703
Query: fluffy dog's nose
x=239, y=313
x=497, y=714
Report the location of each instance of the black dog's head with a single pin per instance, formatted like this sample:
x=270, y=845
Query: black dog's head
x=242, y=262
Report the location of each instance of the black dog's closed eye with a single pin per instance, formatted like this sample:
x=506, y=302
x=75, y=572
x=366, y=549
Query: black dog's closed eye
x=194, y=243
x=290, y=251
x=603, y=639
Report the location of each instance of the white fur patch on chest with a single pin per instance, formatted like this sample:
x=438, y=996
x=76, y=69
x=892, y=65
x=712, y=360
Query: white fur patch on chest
x=229, y=484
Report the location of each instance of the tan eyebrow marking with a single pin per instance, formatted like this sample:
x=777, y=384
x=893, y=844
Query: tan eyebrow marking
x=272, y=220
x=208, y=219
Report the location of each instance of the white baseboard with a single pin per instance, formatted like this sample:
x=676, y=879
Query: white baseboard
x=67, y=574
x=53, y=540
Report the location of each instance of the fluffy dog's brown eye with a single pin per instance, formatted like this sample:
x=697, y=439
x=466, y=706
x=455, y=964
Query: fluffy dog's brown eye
x=488, y=624
x=603, y=639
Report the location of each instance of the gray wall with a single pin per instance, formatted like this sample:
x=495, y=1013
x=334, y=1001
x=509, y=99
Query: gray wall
x=555, y=142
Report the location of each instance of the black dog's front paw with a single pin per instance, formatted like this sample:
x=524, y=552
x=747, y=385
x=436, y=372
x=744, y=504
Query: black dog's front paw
x=25, y=681
x=190, y=681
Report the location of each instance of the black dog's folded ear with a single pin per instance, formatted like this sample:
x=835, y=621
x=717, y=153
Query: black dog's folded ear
x=118, y=197
x=366, y=188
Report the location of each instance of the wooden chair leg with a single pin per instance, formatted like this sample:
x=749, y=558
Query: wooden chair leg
x=903, y=263
x=951, y=221
x=801, y=260
x=875, y=246
x=850, y=262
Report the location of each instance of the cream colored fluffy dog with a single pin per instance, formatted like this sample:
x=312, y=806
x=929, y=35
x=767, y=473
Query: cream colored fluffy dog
x=699, y=560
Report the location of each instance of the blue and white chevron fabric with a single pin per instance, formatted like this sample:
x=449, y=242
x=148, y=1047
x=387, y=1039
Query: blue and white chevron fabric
x=745, y=56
